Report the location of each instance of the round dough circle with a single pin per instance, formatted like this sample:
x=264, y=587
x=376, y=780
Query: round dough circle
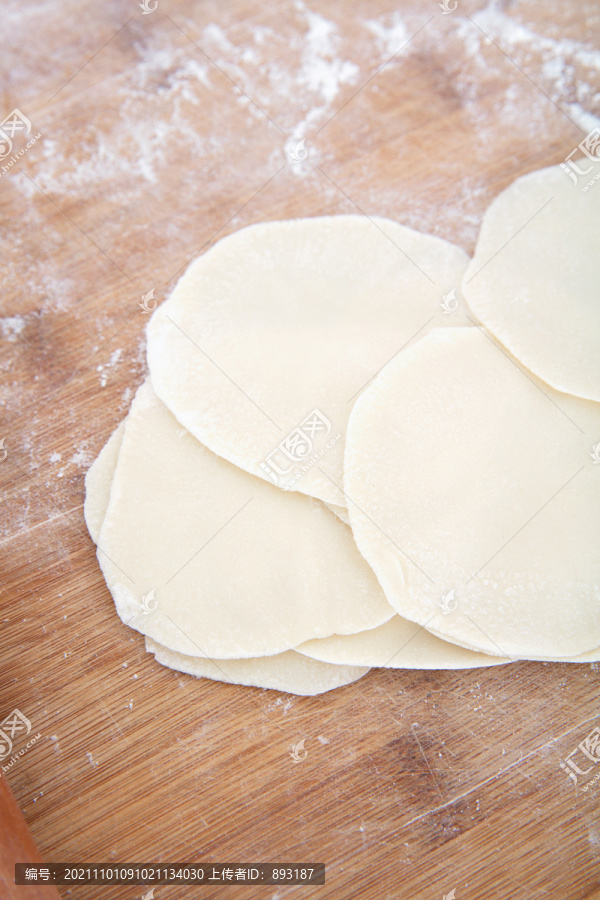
x=268, y=337
x=290, y=671
x=534, y=280
x=464, y=473
x=588, y=656
x=98, y=481
x=398, y=644
x=234, y=566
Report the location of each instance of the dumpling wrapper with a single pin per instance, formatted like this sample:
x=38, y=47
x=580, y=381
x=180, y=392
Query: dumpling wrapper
x=98, y=481
x=481, y=483
x=534, y=280
x=280, y=325
x=234, y=566
x=590, y=656
x=398, y=644
x=290, y=671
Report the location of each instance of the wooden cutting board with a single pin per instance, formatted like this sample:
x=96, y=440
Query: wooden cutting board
x=159, y=133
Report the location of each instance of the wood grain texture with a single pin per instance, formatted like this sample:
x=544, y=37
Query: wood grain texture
x=161, y=133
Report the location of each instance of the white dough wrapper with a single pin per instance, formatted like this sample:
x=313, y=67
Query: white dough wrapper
x=398, y=644
x=290, y=671
x=534, y=281
x=473, y=493
x=209, y=560
x=268, y=337
x=98, y=480
x=589, y=656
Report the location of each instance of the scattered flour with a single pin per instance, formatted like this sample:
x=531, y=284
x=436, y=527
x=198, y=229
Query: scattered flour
x=103, y=376
x=559, y=63
x=148, y=115
x=103, y=369
x=126, y=397
x=322, y=72
x=58, y=292
x=115, y=356
x=587, y=121
x=299, y=78
x=82, y=458
x=11, y=327
x=390, y=37
x=287, y=704
x=306, y=89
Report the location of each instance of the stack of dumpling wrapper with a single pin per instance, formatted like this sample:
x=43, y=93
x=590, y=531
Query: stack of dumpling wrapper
x=359, y=448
